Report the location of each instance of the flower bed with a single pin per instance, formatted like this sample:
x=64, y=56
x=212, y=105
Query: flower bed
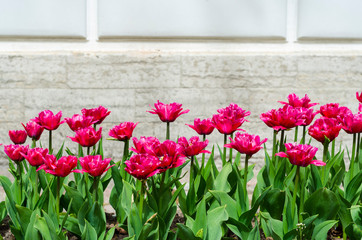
x=58, y=194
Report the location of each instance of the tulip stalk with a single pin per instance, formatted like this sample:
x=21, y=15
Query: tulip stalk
x=333, y=147
x=58, y=197
x=358, y=145
x=18, y=165
x=231, y=152
x=353, y=155
x=95, y=188
x=225, y=141
x=295, y=192
x=203, y=154
x=142, y=196
x=275, y=133
x=125, y=150
x=168, y=131
x=33, y=143
x=296, y=134
x=192, y=170
x=325, y=153
x=50, y=142
x=304, y=133
x=247, y=157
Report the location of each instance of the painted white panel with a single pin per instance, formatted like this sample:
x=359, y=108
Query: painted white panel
x=37, y=18
x=330, y=19
x=192, y=18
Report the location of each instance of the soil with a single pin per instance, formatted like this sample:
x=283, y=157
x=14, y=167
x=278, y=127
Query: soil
x=120, y=233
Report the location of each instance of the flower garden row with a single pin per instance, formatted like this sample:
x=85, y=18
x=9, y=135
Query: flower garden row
x=302, y=198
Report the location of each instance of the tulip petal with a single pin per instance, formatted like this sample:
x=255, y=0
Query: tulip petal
x=318, y=163
x=281, y=154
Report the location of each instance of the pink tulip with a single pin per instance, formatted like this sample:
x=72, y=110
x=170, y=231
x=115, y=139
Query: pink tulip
x=193, y=146
x=123, y=131
x=246, y=143
x=142, y=166
x=202, y=127
x=283, y=118
x=359, y=96
x=295, y=101
x=307, y=114
x=98, y=114
x=168, y=112
x=233, y=111
x=324, y=128
x=33, y=129
x=18, y=136
x=78, y=121
x=59, y=168
x=36, y=156
x=87, y=137
x=333, y=110
x=170, y=155
x=48, y=120
x=300, y=154
x=15, y=152
x=146, y=145
x=94, y=165
x=351, y=123
x=229, y=119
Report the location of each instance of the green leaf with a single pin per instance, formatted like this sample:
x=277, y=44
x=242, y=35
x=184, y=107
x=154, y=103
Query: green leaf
x=225, y=200
x=274, y=203
x=185, y=233
x=237, y=227
x=324, y=203
x=200, y=220
x=215, y=218
x=46, y=226
x=31, y=231
x=321, y=230
x=24, y=216
x=89, y=233
x=354, y=188
x=254, y=234
x=72, y=225
x=316, y=182
x=356, y=213
x=221, y=181
x=274, y=226
x=110, y=234
x=60, y=152
x=134, y=222
x=3, y=211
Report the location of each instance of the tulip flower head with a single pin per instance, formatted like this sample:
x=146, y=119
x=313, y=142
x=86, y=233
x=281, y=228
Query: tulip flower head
x=98, y=114
x=33, y=129
x=59, y=168
x=168, y=112
x=246, y=143
x=193, y=146
x=229, y=119
x=87, y=137
x=18, y=136
x=36, y=156
x=307, y=114
x=202, y=127
x=16, y=152
x=351, y=123
x=333, y=110
x=325, y=128
x=142, y=166
x=78, y=121
x=359, y=96
x=283, y=118
x=170, y=155
x=300, y=154
x=94, y=165
x=233, y=111
x=48, y=120
x=295, y=101
x=146, y=145
x=123, y=131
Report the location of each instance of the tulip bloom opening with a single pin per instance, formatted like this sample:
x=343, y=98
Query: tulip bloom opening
x=142, y=166
x=94, y=165
x=325, y=128
x=202, y=127
x=16, y=152
x=123, y=131
x=36, y=156
x=168, y=112
x=300, y=154
x=48, y=120
x=78, y=121
x=59, y=168
x=17, y=136
x=246, y=143
x=97, y=114
x=295, y=101
x=33, y=129
x=87, y=137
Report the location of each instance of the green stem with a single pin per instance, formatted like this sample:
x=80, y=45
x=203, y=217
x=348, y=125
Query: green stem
x=301, y=205
x=88, y=151
x=247, y=157
x=281, y=146
x=357, y=151
x=231, y=152
x=168, y=131
x=304, y=133
x=36, y=185
x=125, y=150
x=351, y=167
x=191, y=171
x=325, y=154
x=224, y=153
x=18, y=164
x=333, y=147
x=50, y=142
x=142, y=193
x=33, y=143
x=275, y=133
x=95, y=129
x=95, y=188
x=296, y=134
x=295, y=192
x=203, y=154
x=58, y=197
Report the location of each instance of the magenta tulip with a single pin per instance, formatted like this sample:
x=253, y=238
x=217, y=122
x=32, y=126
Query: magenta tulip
x=142, y=166
x=307, y=114
x=48, y=120
x=17, y=136
x=59, y=168
x=351, y=123
x=123, y=131
x=202, y=127
x=359, y=96
x=94, y=165
x=226, y=125
x=246, y=143
x=146, y=145
x=78, y=121
x=36, y=156
x=300, y=154
x=324, y=128
x=283, y=118
x=193, y=146
x=295, y=101
x=168, y=112
x=170, y=155
x=33, y=129
x=233, y=111
x=333, y=110
x=16, y=152
x=87, y=137
x=98, y=114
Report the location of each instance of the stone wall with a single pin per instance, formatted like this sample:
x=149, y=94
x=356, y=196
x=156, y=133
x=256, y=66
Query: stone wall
x=127, y=83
